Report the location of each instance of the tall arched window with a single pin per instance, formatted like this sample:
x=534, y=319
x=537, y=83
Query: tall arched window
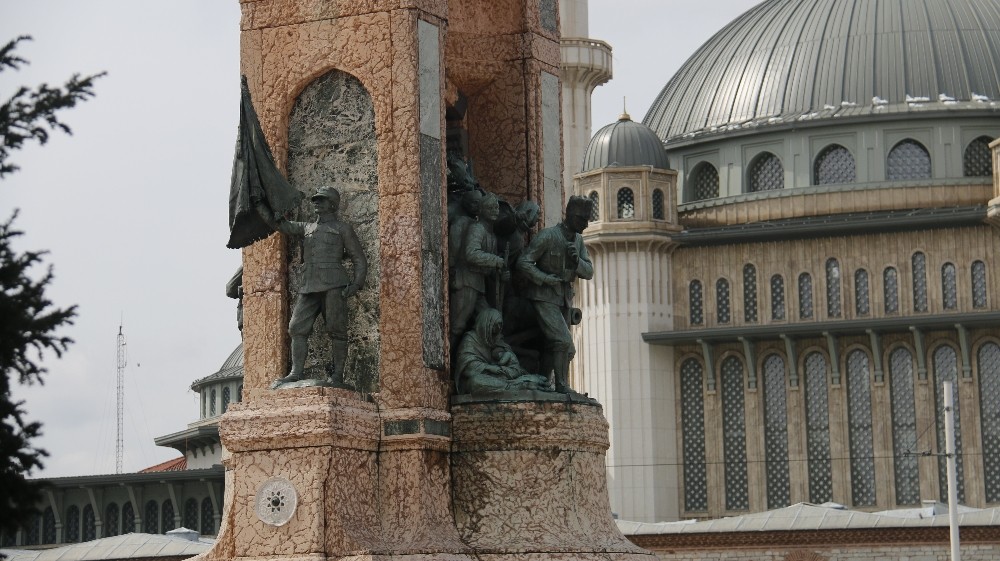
x=862, y=304
x=693, y=432
x=168, y=516
x=949, y=286
x=776, y=433
x=834, y=165
x=859, y=412
x=765, y=173
x=978, y=284
x=225, y=398
x=48, y=526
x=696, y=302
x=191, y=514
x=207, y=517
x=833, y=288
x=595, y=208
x=211, y=403
x=111, y=520
x=908, y=159
x=128, y=519
x=704, y=182
x=734, y=441
x=658, y=212
x=72, y=524
x=722, y=301
x=239, y=393
x=805, y=296
x=946, y=370
x=626, y=204
x=151, y=518
x=818, y=429
x=89, y=523
x=749, y=293
x=977, y=160
x=919, y=261
x=777, y=297
x=890, y=290
x=988, y=359
x=32, y=531
x=904, y=427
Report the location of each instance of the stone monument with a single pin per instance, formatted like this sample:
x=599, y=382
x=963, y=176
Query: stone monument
x=368, y=96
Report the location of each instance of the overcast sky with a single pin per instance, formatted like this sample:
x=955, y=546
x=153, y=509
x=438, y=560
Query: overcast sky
x=133, y=206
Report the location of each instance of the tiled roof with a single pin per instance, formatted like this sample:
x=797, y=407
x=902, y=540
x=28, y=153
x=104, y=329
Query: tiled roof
x=176, y=464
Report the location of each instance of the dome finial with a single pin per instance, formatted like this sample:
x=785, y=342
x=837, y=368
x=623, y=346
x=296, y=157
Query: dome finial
x=624, y=116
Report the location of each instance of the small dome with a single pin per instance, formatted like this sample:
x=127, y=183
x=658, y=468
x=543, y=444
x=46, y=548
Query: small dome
x=625, y=143
x=230, y=369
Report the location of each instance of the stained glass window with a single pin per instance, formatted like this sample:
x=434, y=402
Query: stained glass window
x=818, y=429
x=859, y=409
x=919, y=282
x=989, y=404
x=72, y=524
x=191, y=514
x=978, y=284
x=128, y=519
x=207, y=517
x=48, y=526
x=834, y=165
x=696, y=302
x=805, y=296
x=705, y=182
x=749, y=293
x=734, y=440
x=111, y=520
x=225, y=398
x=977, y=160
x=89, y=524
x=949, y=286
x=946, y=370
x=908, y=160
x=766, y=173
x=151, y=518
x=776, y=433
x=211, y=403
x=626, y=203
x=722, y=300
x=168, y=516
x=862, y=304
x=658, y=213
x=904, y=427
x=777, y=297
x=833, y=288
x=890, y=289
x=595, y=207
x=693, y=431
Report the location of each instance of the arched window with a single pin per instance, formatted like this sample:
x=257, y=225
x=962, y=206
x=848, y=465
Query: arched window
x=776, y=433
x=191, y=514
x=128, y=519
x=72, y=524
x=749, y=293
x=168, y=516
x=225, y=398
x=946, y=370
x=949, y=286
x=988, y=359
x=919, y=282
x=890, y=290
x=908, y=159
x=626, y=204
x=211, y=403
x=862, y=305
x=833, y=288
x=151, y=518
x=48, y=526
x=777, y=297
x=704, y=182
x=859, y=412
x=89, y=523
x=978, y=284
x=595, y=208
x=834, y=165
x=765, y=173
x=904, y=427
x=207, y=517
x=722, y=301
x=33, y=529
x=658, y=212
x=204, y=405
x=977, y=160
x=734, y=441
x=111, y=520
x=696, y=302
x=693, y=433
x=805, y=296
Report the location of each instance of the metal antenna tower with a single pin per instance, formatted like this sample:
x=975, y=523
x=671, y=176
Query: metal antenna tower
x=122, y=359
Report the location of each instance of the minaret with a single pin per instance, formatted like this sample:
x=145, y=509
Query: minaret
x=586, y=64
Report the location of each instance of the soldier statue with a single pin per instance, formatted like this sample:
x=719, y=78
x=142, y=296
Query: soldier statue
x=326, y=285
x=553, y=260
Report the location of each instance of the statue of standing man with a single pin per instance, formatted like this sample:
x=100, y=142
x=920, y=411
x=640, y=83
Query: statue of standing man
x=326, y=284
x=554, y=259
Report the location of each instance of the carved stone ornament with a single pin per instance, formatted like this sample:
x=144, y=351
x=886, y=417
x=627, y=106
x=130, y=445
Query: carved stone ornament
x=276, y=501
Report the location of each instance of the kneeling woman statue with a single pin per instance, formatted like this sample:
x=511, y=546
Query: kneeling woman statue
x=487, y=365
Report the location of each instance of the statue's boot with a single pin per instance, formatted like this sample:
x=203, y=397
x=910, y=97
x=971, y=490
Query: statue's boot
x=300, y=345
x=560, y=366
x=339, y=352
x=545, y=367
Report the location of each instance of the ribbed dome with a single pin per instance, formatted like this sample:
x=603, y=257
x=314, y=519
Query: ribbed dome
x=625, y=143
x=795, y=60
x=231, y=368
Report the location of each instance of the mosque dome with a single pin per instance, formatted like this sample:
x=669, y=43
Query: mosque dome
x=231, y=369
x=808, y=62
x=625, y=143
